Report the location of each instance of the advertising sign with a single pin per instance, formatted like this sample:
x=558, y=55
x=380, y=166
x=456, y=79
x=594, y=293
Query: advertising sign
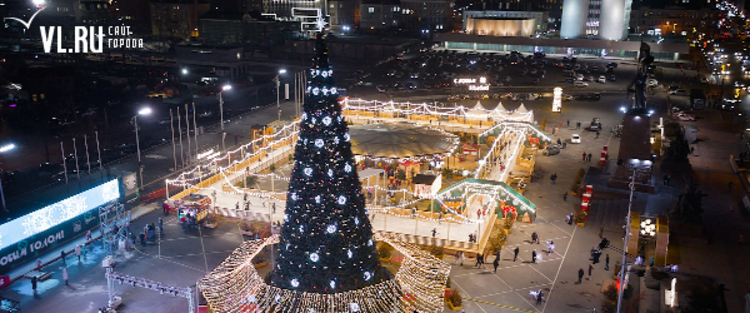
x=33, y=234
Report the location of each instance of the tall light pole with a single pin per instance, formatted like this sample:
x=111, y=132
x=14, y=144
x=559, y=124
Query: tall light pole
x=4, y=149
x=221, y=113
x=621, y=292
x=144, y=111
x=278, y=84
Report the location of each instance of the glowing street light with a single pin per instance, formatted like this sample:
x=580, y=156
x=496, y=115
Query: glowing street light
x=7, y=148
x=144, y=111
x=184, y=71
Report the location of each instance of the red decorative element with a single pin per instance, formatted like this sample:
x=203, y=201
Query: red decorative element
x=511, y=209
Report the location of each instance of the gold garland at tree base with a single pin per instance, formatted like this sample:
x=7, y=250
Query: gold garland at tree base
x=235, y=286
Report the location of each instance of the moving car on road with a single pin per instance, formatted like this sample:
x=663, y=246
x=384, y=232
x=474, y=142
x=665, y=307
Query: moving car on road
x=575, y=138
x=580, y=84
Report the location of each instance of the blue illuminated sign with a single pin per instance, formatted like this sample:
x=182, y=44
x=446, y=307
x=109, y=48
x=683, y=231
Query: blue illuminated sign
x=55, y=214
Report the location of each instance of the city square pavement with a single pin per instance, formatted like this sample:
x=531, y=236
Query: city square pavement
x=179, y=257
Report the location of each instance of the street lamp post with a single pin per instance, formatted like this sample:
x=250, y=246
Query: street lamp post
x=221, y=113
x=278, y=84
x=621, y=291
x=144, y=111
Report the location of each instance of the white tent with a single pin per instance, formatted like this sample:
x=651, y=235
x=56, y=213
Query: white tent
x=500, y=112
x=478, y=112
x=522, y=109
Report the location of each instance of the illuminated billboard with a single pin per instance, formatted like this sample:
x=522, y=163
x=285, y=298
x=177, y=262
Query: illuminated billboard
x=58, y=213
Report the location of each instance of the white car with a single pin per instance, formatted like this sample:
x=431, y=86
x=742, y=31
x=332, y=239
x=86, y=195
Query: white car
x=580, y=84
x=575, y=138
x=652, y=83
x=602, y=79
x=579, y=76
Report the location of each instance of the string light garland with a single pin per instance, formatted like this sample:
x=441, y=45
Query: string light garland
x=235, y=286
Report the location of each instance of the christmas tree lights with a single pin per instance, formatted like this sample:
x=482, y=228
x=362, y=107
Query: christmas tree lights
x=326, y=220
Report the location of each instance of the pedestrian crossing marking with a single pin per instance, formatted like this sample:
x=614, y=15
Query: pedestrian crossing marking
x=501, y=305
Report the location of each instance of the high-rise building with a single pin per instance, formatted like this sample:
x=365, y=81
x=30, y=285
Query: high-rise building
x=615, y=19
x=603, y=19
x=574, y=18
x=178, y=18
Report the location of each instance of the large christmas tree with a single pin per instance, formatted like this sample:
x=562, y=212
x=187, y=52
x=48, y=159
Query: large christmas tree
x=326, y=242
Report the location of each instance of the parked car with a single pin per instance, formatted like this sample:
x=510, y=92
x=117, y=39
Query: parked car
x=612, y=78
x=579, y=76
x=602, y=79
x=680, y=92
x=551, y=149
x=206, y=114
x=575, y=138
x=580, y=84
x=380, y=88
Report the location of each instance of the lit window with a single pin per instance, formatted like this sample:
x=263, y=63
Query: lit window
x=371, y=10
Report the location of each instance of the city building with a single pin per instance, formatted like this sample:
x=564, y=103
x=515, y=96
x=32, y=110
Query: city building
x=574, y=18
x=675, y=20
x=603, y=19
x=177, y=18
x=133, y=13
x=614, y=19
x=94, y=12
x=665, y=51
x=249, y=29
x=429, y=15
x=380, y=14
x=344, y=14
x=512, y=20
x=283, y=8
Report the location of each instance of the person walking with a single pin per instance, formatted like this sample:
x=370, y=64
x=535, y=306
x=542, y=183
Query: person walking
x=572, y=216
x=166, y=208
x=601, y=231
x=534, y=237
x=78, y=253
x=539, y=296
x=65, y=275
x=584, y=156
x=496, y=263
x=479, y=260
x=463, y=258
x=597, y=135
x=161, y=226
x=457, y=256
x=580, y=274
x=273, y=207
x=515, y=254
x=589, y=158
x=568, y=122
x=591, y=268
x=606, y=262
x=33, y=284
x=551, y=247
x=533, y=256
x=62, y=256
x=434, y=232
x=565, y=197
